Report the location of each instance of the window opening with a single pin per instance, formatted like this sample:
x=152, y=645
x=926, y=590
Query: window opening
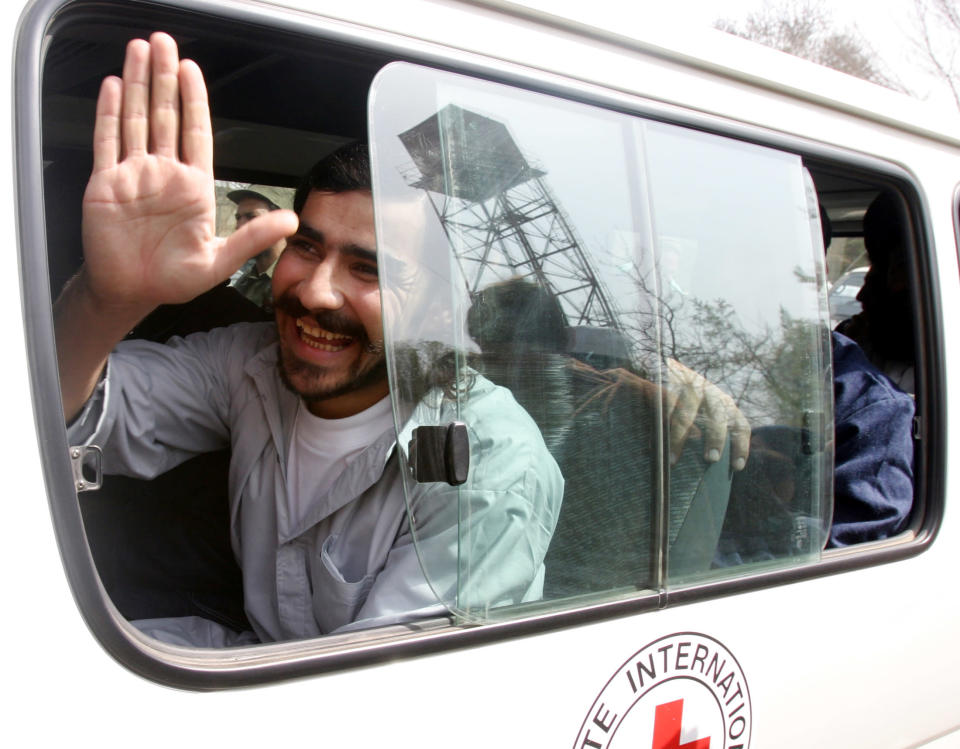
x=544, y=267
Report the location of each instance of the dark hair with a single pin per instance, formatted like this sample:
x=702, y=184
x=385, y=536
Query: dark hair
x=424, y=365
x=885, y=229
x=346, y=169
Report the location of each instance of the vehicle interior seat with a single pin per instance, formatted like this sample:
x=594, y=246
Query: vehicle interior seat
x=602, y=427
x=769, y=515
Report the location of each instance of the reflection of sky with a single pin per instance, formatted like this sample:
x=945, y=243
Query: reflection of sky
x=730, y=219
x=739, y=213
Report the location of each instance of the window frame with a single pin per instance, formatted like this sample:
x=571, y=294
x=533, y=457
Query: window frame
x=203, y=670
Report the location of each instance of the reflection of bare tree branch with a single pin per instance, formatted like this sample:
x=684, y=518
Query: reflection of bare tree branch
x=767, y=371
x=938, y=27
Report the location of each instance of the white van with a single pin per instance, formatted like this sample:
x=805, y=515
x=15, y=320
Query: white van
x=674, y=195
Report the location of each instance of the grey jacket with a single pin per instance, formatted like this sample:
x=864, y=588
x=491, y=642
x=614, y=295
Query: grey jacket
x=353, y=561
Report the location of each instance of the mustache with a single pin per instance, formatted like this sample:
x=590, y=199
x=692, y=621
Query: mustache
x=328, y=319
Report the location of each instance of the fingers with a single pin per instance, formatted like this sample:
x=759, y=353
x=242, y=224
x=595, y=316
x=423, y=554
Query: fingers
x=163, y=106
x=739, y=441
x=724, y=420
x=716, y=407
x=688, y=394
x=682, y=402
x=136, y=99
x=253, y=237
x=681, y=418
x=164, y=96
x=197, y=136
x=106, y=127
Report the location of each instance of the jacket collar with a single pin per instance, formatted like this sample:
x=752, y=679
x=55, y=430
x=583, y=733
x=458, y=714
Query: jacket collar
x=279, y=404
x=280, y=407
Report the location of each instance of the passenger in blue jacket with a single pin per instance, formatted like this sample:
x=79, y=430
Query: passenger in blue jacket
x=873, y=467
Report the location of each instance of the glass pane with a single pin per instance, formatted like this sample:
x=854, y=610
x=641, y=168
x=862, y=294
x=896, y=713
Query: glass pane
x=847, y=263
x=546, y=282
x=740, y=254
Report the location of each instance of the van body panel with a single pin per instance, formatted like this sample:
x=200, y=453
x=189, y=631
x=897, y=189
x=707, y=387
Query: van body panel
x=863, y=656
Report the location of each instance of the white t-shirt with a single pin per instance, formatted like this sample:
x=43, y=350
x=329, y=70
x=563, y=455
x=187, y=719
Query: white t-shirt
x=321, y=448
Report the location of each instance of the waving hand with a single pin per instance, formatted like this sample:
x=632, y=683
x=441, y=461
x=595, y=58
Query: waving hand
x=148, y=212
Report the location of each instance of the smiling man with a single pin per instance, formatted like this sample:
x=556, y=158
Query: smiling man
x=327, y=294
x=318, y=516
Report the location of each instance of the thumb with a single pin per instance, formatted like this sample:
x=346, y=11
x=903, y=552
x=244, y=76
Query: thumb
x=253, y=237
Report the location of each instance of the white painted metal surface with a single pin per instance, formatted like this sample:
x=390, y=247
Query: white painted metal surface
x=865, y=658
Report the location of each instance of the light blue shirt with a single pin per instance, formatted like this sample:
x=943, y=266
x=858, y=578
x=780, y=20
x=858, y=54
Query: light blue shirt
x=353, y=559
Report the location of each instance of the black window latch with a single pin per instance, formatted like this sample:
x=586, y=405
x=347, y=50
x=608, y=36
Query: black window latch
x=440, y=453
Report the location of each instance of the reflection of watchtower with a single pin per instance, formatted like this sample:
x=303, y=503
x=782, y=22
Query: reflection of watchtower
x=498, y=213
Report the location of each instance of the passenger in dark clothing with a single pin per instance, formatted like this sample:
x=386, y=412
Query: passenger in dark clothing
x=884, y=329
x=873, y=467
x=872, y=376
x=768, y=515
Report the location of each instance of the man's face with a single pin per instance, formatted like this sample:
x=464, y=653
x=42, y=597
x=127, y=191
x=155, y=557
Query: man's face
x=327, y=306
x=885, y=297
x=247, y=210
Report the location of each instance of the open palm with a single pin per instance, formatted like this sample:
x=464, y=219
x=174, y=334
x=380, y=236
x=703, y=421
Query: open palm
x=149, y=209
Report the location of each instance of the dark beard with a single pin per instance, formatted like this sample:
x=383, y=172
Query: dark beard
x=375, y=374
x=365, y=374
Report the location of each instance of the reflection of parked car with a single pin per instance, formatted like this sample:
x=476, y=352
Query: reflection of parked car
x=843, y=295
